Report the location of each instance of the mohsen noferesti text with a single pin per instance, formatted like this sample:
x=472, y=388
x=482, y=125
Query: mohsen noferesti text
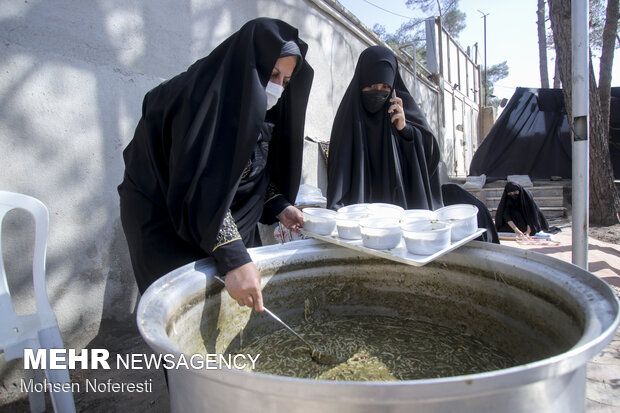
x=89, y=386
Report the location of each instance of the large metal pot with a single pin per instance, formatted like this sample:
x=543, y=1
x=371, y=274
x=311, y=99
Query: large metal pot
x=551, y=315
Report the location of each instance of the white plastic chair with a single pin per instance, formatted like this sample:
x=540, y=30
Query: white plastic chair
x=38, y=330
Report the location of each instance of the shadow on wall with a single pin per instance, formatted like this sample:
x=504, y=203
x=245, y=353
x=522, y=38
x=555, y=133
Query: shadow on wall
x=91, y=252
x=74, y=76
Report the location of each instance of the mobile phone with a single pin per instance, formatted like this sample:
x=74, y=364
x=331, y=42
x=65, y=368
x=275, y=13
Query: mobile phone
x=393, y=96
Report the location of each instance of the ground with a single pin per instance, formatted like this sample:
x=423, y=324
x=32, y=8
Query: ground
x=608, y=234
x=119, y=337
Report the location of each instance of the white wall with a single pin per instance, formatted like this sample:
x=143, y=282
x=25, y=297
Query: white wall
x=72, y=78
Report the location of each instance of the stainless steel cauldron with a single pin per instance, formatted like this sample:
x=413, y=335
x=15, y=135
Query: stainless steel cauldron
x=550, y=314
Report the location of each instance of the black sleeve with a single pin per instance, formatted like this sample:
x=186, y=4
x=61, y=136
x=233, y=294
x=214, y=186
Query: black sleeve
x=406, y=133
x=229, y=251
x=275, y=203
x=507, y=216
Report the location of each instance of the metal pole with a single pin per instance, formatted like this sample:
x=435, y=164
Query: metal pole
x=484, y=16
x=580, y=146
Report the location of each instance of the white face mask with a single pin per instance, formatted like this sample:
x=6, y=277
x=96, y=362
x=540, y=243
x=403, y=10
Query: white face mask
x=273, y=92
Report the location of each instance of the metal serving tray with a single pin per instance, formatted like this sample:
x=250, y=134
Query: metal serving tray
x=398, y=253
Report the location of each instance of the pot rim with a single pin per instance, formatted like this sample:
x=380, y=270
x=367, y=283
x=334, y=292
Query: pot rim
x=601, y=319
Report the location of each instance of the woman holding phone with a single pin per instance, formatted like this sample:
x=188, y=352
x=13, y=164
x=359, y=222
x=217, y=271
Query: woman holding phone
x=218, y=149
x=382, y=148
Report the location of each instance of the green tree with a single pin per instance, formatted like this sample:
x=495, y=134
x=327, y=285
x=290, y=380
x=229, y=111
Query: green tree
x=598, y=21
x=408, y=32
x=604, y=201
x=412, y=31
x=495, y=73
x=452, y=18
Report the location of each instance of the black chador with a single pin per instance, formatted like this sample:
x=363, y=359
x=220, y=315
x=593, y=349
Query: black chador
x=521, y=209
x=208, y=161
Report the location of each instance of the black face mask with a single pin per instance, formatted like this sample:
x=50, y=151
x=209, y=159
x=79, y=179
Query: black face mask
x=514, y=196
x=373, y=99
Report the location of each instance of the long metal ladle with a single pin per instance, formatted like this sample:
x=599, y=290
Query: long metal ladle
x=317, y=356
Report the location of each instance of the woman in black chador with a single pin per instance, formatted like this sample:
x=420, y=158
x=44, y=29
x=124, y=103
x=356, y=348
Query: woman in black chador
x=381, y=147
x=218, y=149
x=517, y=212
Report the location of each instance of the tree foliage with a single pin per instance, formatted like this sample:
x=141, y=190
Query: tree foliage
x=604, y=201
x=452, y=18
x=454, y=21
x=404, y=37
x=597, y=22
x=408, y=32
x=413, y=31
x=598, y=10
x=495, y=73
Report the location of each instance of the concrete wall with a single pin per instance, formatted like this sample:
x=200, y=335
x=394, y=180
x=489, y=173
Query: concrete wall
x=72, y=78
x=73, y=75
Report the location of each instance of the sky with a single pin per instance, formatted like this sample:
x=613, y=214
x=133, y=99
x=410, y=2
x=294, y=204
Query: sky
x=510, y=28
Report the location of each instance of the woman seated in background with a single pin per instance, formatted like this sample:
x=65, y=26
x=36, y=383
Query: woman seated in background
x=517, y=212
x=381, y=147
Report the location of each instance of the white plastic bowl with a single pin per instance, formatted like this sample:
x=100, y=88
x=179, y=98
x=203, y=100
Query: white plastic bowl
x=425, y=237
x=319, y=220
x=348, y=224
x=386, y=210
x=418, y=214
x=354, y=208
x=380, y=233
x=463, y=217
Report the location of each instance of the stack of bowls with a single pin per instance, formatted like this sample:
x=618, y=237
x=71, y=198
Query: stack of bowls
x=348, y=219
x=348, y=224
x=319, y=220
x=377, y=224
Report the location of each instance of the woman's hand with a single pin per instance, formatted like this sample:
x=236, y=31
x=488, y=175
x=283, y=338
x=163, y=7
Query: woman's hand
x=243, y=285
x=516, y=230
x=291, y=218
x=397, y=112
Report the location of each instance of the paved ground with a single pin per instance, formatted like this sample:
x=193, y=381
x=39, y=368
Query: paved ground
x=603, y=372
